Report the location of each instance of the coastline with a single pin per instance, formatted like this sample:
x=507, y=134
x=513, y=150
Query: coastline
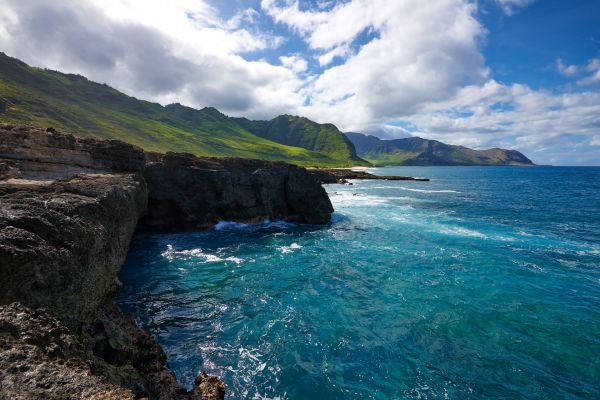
x=341, y=175
x=69, y=209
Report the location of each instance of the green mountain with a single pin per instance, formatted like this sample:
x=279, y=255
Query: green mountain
x=72, y=103
x=417, y=151
x=302, y=132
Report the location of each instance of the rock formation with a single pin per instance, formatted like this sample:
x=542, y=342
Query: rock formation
x=338, y=175
x=187, y=192
x=68, y=209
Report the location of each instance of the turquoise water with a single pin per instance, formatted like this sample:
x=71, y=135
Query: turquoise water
x=481, y=284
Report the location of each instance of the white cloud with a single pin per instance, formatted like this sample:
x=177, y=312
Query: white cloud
x=329, y=57
x=593, y=68
x=401, y=61
x=246, y=16
x=176, y=51
x=421, y=53
x=294, y=62
x=497, y=115
x=510, y=6
x=591, y=71
x=567, y=70
x=389, y=132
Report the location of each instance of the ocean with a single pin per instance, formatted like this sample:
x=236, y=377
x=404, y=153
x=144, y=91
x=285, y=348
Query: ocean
x=483, y=283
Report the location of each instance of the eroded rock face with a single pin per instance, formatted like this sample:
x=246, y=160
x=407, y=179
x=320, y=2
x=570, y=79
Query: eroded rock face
x=63, y=242
x=46, y=154
x=41, y=359
x=187, y=192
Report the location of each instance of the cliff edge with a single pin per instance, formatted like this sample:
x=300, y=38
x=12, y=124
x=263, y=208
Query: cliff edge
x=68, y=209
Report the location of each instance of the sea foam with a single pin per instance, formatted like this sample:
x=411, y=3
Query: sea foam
x=197, y=254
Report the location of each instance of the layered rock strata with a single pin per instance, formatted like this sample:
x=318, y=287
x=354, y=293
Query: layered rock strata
x=68, y=209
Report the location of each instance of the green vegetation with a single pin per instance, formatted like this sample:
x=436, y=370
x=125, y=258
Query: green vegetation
x=71, y=103
x=417, y=151
x=302, y=132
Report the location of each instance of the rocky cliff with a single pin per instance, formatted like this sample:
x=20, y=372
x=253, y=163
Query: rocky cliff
x=68, y=209
x=187, y=192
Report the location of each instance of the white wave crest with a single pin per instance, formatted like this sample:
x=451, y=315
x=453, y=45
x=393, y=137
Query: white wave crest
x=458, y=231
x=427, y=191
x=289, y=249
x=171, y=254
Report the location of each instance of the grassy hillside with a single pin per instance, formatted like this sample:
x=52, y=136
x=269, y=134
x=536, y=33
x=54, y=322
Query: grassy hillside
x=417, y=151
x=302, y=132
x=71, y=103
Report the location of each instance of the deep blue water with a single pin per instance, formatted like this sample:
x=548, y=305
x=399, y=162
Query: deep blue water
x=481, y=284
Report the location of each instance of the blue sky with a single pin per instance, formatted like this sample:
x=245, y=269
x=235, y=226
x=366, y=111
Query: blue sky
x=524, y=47
x=522, y=74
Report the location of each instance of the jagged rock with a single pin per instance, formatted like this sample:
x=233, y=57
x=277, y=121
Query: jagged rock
x=62, y=242
x=42, y=359
x=209, y=387
x=187, y=192
x=131, y=357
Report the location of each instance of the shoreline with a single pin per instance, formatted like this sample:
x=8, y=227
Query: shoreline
x=70, y=207
x=342, y=175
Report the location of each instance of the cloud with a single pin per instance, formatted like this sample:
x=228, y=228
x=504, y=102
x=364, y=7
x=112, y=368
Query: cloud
x=511, y=6
x=178, y=51
x=593, y=68
x=420, y=53
x=383, y=66
x=294, y=62
x=567, y=70
x=516, y=116
x=389, y=132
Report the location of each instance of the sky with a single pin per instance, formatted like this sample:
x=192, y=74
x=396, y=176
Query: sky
x=521, y=74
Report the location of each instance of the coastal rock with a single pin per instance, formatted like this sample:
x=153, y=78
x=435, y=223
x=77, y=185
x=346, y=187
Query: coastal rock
x=339, y=175
x=42, y=359
x=46, y=154
x=62, y=242
x=188, y=192
x=209, y=387
x=61, y=245
x=64, y=234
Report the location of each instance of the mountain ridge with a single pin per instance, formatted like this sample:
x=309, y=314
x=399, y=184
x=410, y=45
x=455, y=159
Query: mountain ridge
x=72, y=103
x=293, y=130
x=419, y=151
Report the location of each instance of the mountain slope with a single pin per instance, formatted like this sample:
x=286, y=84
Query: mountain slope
x=71, y=103
x=417, y=151
x=302, y=132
